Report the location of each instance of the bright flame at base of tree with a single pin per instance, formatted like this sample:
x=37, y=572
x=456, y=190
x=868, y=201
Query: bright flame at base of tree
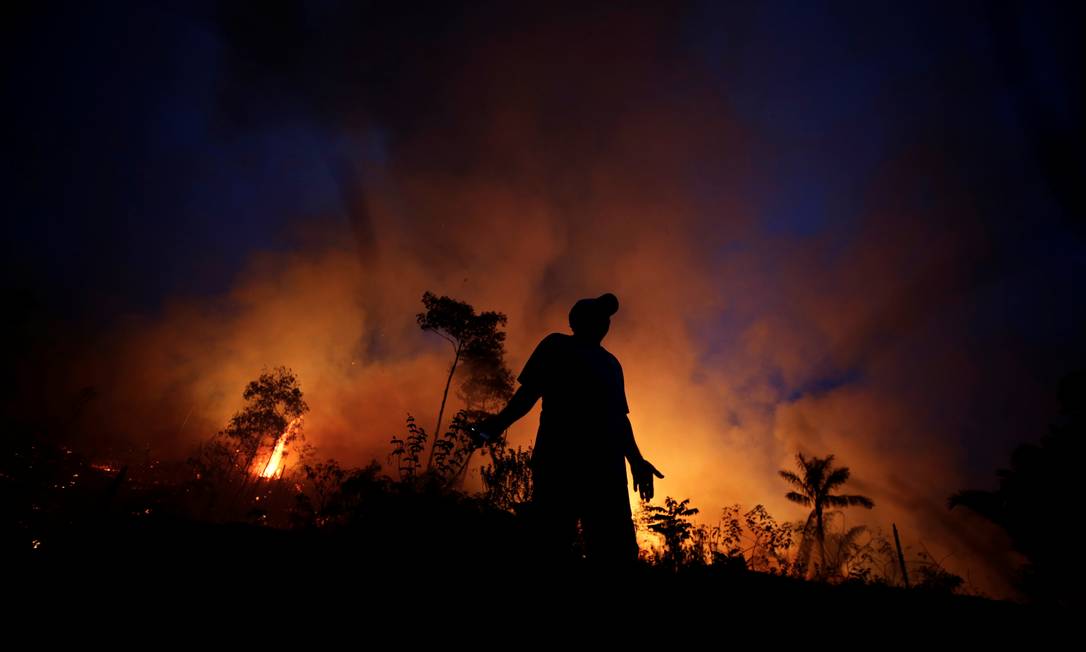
x=275, y=460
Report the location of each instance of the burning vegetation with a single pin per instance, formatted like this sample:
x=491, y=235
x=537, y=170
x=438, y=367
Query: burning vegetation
x=276, y=464
x=262, y=435
x=259, y=471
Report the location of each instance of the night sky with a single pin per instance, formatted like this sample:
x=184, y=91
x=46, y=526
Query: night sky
x=835, y=228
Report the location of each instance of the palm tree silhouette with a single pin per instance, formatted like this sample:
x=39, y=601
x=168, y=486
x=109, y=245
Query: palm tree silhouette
x=813, y=489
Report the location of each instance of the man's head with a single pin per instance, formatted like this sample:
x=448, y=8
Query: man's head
x=591, y=318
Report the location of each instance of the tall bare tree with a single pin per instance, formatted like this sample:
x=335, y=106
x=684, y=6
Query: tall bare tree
x=477, y=341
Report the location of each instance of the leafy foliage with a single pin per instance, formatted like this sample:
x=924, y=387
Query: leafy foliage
x=454, y=449
x=272, y=402
x=325, y=478
x=507, y=480
x=224, y=464
x=933, y=577
x=874, y=561
x=757, y=538
x=477, y=340
x=842, y=546
x=672, y=521
x=489, y=382
x=332, y=495
x=406, y=450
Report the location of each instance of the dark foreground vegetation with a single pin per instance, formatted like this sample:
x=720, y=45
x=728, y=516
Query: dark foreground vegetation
x=253, y=522
x=101, y=537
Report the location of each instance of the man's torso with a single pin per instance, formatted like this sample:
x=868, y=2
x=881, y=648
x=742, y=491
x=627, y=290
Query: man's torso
x=584, y=409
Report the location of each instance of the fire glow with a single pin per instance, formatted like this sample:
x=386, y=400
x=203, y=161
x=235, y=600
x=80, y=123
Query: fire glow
x=275, y=464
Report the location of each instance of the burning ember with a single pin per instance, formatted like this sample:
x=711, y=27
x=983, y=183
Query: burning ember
x=274, y=464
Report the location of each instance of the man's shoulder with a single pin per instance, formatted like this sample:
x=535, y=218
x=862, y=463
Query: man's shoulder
x=612, y=358
x=553, y=345
x=555, y=339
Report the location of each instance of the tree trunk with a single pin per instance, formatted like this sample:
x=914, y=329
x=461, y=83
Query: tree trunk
x=803, y=555
x=463, y=473
x=246, y=476
x=900, y=556
x=437, y=428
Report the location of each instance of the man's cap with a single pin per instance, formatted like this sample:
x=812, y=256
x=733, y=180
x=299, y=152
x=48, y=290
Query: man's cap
x=601, y=307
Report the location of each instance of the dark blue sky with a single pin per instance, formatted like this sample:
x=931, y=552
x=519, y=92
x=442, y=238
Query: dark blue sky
x=155, y=144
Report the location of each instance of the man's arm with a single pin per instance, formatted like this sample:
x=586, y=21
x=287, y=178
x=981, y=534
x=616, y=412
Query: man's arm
x=521, y=403
x=629, y=446
x=536, y=375
x=641, y=469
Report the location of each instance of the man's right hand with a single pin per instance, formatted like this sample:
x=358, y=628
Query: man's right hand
x=643, y=471
x=488, y=430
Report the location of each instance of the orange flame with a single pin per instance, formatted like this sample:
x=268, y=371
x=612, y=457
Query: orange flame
x=276, y=459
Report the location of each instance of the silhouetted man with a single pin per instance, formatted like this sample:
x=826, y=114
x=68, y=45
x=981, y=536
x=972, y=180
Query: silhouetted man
x=583, y=442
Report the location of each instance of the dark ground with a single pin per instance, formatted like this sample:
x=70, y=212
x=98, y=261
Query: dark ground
x=114, y=543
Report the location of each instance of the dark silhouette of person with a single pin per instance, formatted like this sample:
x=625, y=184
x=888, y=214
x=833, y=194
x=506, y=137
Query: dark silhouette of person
x=583, y=442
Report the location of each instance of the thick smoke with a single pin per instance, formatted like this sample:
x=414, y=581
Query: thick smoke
x=520, y=164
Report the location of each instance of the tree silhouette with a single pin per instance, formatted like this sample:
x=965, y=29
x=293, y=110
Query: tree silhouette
x=273, y=411
x=507, y=480
x=672, y=521
x=475, y=339
x=272, y=402
x=1036, y=494
x=489, y=382
x=843, y=546
x=453, y=450
x=818, y=478
x=406, y=450
x=756, y=538
x=325, y=479
x=933, y=577
x=330, y=495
